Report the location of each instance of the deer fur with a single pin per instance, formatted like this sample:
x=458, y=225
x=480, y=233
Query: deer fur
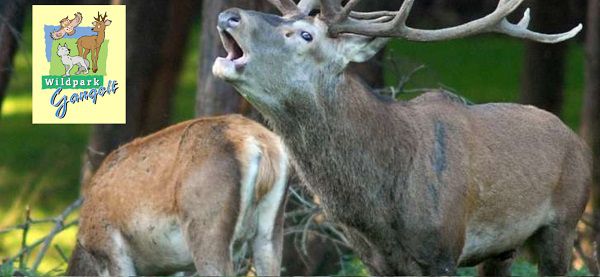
x=85, y=44
x=185, y=198
x=421, y=186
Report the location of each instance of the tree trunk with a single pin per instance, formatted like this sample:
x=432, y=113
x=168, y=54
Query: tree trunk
x=214, y=96
x=159, y=98
x=590, y=127
x=12, y=14
x=543, y=75
x=156, y=37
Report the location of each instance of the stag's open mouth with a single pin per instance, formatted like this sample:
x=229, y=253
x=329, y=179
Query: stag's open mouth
x=230, y=67
x=235, y=53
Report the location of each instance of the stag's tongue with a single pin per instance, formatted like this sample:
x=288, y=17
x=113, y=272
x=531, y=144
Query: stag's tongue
x=235, y=54
x=227, y=67
x=234, y=51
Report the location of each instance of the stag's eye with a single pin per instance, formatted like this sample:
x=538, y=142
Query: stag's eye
x=306, y=36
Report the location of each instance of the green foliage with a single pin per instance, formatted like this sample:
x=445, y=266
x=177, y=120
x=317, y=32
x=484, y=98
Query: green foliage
x=482, y=69
x=7, y=269
x=352, y=266
x=584, y=271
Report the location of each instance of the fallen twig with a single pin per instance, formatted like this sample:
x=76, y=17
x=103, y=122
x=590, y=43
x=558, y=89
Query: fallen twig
x=46, y=241
x=59, y=226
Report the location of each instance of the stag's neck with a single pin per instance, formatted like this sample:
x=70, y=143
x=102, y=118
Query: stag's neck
x=100, y=38
x=348, y=143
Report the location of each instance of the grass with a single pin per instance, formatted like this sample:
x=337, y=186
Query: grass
x=40, y=164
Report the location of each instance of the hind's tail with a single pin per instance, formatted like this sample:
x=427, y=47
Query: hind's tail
x=81, y=263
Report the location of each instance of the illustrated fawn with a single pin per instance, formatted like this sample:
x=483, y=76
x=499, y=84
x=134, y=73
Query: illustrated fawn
x=420, y=187
x=185, y=198
x=85, y=44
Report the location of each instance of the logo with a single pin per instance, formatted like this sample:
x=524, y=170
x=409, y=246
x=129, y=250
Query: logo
x=78, y=64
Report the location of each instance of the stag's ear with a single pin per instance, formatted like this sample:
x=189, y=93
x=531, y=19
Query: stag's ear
x=360, y=49
x=94, y=23
x=107, y=22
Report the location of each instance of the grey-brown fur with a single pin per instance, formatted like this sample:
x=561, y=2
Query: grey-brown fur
x=423, y=186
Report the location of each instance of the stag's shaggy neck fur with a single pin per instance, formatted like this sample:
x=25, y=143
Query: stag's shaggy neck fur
x=338, y=131
x=355, y=150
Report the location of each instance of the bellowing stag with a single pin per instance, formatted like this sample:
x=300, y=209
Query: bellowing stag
x=422, y=186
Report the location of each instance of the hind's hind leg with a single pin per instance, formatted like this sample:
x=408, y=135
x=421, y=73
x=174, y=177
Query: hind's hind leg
x=209, y=207
x=268, y=244
x=553, y=245
x=109, y=258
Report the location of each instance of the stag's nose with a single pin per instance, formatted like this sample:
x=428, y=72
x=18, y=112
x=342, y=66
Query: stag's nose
x=229, y=19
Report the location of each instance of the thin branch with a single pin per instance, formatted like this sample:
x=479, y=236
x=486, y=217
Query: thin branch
x=305, y=233
x=406, y=78
x=339, y=234
x=338, y=251
x=38, y=242
x=302, y=212
x=22, y=260
x=59, y=226
x=61, y=252
x=24, y=225
x=301, y=199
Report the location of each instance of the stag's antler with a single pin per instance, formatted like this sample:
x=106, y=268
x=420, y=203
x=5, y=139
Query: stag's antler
x=100, y=17
x=289, y=8
x=342, y=19
x=286, y=7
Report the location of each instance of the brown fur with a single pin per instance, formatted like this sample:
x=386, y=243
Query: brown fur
x=186, y=177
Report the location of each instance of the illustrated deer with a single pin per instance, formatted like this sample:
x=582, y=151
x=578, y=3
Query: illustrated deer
x=189, y=195
x=85, y=44
x=421, y=186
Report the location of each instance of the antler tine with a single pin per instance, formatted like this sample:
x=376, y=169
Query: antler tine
x=105, y=16
x=372, y=15
x=520, y=30
x=306, y=6
x=330, y=9
x=286, y=7
x=370, y=25
x=345, y=12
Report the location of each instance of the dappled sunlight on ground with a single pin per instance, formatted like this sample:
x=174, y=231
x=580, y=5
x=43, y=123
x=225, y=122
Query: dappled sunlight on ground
x=17, y=105
x=54, y=259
